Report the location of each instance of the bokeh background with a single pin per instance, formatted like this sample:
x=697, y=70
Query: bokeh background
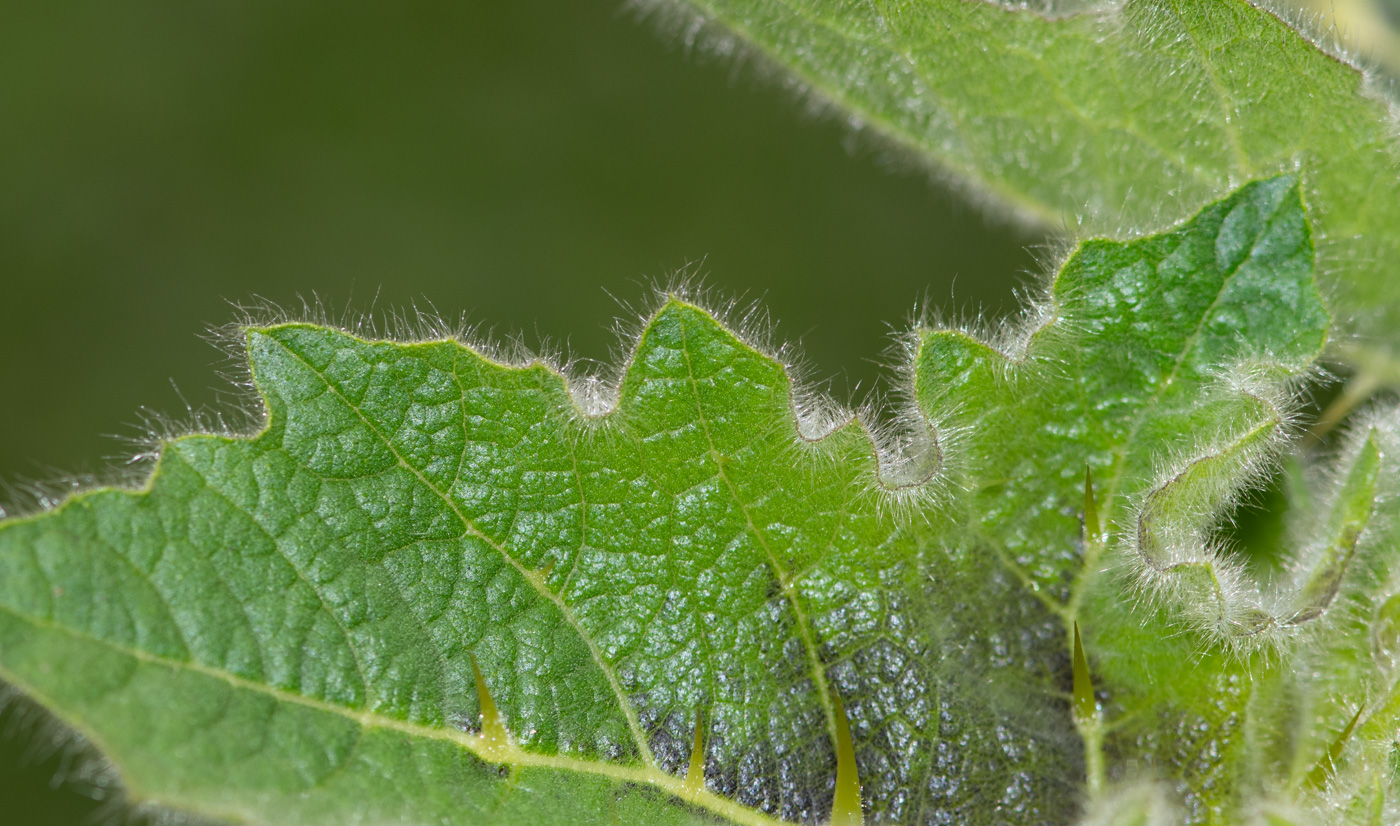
x=527, y=163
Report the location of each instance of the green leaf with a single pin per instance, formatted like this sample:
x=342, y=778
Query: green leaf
x=1300, y=727
x=289, y=628
x=1144, y=349
x=1164, y=358
x=1126, y=116
x=441, y=588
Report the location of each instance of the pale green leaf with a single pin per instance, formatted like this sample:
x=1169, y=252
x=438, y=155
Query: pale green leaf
x=1125, y=115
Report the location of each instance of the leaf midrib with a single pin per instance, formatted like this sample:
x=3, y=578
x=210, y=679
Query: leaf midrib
x=253, y=520
x=1227, y=110
x=488, y=751
x=783, y=576
x=536, y=582
x=1120, y=454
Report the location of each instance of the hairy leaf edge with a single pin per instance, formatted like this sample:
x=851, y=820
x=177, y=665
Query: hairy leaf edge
x=907, y=453
x=676, y=20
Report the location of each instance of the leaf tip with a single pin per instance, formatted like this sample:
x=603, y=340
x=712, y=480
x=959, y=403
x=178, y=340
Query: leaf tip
x=1085, y=708
x=695, y=774
x=1327, y=765
x=493, y=726
x=845, y=809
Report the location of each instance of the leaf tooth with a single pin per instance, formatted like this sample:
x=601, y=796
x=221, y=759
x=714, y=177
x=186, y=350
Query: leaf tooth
x=845, y=808
x=1378, y=795
x=1085, y=709
x=1088, y=719
x=1327, y=764
x=1350, y=515
x=695, y=774
x=493, y=727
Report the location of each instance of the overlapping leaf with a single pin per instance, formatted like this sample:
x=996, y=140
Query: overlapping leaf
x=436, y=588
x=1125, y=114
x=1291, y=719
x=1149, y=356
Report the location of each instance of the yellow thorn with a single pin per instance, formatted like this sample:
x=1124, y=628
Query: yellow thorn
x=1091, y=509
x=1327, y=765
x=695, y=775
x=493, y=728
x=1084, y=706
x=546, y=570
x=845, y=806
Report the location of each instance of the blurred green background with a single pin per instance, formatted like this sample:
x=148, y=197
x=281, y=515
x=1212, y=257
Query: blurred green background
x=519, y=162
x=514, y=161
